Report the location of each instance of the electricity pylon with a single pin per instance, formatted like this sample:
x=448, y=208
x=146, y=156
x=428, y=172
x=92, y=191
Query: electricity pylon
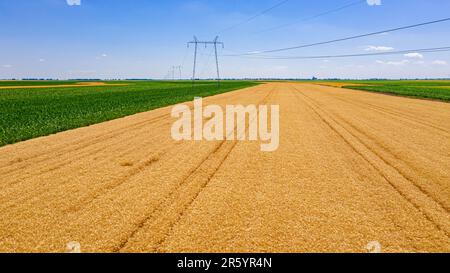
x=215, y=42
x=179, y=71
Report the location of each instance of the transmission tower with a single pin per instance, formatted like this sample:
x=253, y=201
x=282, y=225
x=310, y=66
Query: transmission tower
x=175, y=68
x=215, y=42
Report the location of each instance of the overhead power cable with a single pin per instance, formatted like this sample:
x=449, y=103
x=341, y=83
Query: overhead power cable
x=422, y=50
x=206, y=67
x=348, y=5
x=254, y=16
x=343, y=39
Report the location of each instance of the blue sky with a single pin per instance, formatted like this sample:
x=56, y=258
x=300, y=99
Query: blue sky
x=143, y=39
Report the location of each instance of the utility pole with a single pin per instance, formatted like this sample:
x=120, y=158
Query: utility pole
x=217, y=59
x=215, y=42
x=195, y=42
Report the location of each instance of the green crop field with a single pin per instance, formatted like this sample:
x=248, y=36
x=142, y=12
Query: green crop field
x=437, y=90
x=30, y=113
x=34, y=83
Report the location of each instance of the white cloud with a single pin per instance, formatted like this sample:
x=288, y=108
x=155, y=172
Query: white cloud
x=104, y=55
x=73, y=2
x=374, y=2
x=6, y=66
x=394, y=63
x=41, y=60
x=379, y=48
x=440, y=62
x=414, y=55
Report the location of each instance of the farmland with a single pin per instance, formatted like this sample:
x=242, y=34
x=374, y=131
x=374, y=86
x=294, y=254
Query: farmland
x=352, y=168
x=244, y=129
x=436, y=90
x=29, y=113
x=34, y=83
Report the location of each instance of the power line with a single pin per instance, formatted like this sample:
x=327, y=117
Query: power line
x=176, y=68
x=254, y=16
x=343, y=39
x=348, y=5
x=167, y=76
x=183, y=62
x=422, y=50
x=206, y=67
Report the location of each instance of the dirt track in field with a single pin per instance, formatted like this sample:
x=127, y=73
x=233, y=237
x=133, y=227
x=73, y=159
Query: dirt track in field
x=352, y=167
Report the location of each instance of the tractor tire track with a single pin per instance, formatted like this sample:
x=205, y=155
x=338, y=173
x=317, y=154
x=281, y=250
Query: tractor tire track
x=441, y=221
x=161, y=220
